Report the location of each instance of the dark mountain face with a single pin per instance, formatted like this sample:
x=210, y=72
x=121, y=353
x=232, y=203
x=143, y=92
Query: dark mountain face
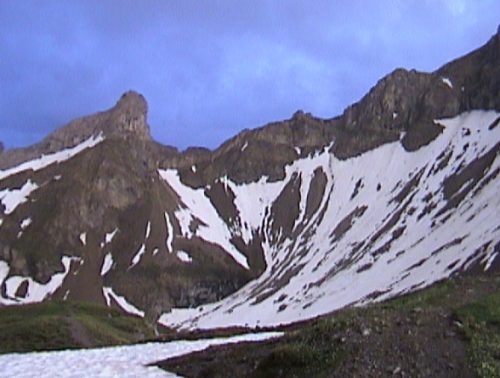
x=308, y=213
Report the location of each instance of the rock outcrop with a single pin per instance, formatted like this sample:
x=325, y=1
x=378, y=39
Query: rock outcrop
x=127, y=119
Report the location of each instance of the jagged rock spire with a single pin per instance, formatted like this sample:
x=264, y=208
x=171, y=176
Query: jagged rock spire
x=129, y=116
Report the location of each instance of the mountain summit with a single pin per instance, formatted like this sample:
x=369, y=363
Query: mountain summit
x=278, y=224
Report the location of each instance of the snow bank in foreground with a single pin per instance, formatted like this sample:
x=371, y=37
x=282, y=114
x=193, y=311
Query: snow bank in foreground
x=122, y=361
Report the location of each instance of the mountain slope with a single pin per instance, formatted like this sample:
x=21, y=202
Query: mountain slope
x=368, y=234
x=294, y=219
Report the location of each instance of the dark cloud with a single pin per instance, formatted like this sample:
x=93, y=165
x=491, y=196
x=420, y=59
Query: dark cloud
x=211, y=68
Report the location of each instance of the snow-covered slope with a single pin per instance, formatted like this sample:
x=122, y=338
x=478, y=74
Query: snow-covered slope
x=382, y=224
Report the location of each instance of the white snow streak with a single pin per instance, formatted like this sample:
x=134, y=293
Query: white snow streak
x=170, y=233
x=138, y=256
x=107, y=264
x=122, y=302
x=57, y=157
x=447, y=82
x=108, y=238
x=490, y=260
x=4, y=270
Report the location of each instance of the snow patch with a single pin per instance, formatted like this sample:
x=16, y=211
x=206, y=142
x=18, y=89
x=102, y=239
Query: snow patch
x=36, y=292
x=148, y=229
x=184, y=256
x=25, y=223
x=83, y=238
x=12, y=198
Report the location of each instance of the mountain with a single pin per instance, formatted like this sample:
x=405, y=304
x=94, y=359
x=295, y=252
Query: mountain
x=279, y=224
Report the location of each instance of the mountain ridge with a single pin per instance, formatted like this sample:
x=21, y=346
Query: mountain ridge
x=100, y=212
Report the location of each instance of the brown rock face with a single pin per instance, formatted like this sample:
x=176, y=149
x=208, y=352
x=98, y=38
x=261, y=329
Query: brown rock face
x=126, y=119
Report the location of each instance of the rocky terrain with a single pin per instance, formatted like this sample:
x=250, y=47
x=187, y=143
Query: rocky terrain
x=279, y=224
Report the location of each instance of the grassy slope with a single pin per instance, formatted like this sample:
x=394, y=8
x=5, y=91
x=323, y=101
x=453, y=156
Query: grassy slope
x=450, y=329
x=62, y=325
x=481, y=324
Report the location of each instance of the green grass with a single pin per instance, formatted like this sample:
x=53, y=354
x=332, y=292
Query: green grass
x=48, y=326
x=481, y=324
x=425, y=298
x=306, y=352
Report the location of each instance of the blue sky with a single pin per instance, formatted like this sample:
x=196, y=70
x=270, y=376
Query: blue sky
x=209, y=69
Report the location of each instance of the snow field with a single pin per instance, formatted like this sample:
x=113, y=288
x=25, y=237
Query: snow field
x=120, y=361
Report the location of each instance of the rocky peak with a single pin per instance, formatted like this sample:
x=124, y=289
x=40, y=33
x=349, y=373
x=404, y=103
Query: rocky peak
x=127, y=119
x=132, y=102
x=129, y=115
x=300, y=115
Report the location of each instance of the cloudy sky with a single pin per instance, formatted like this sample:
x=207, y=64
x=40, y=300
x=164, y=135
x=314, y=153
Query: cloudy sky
x=212, y=68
